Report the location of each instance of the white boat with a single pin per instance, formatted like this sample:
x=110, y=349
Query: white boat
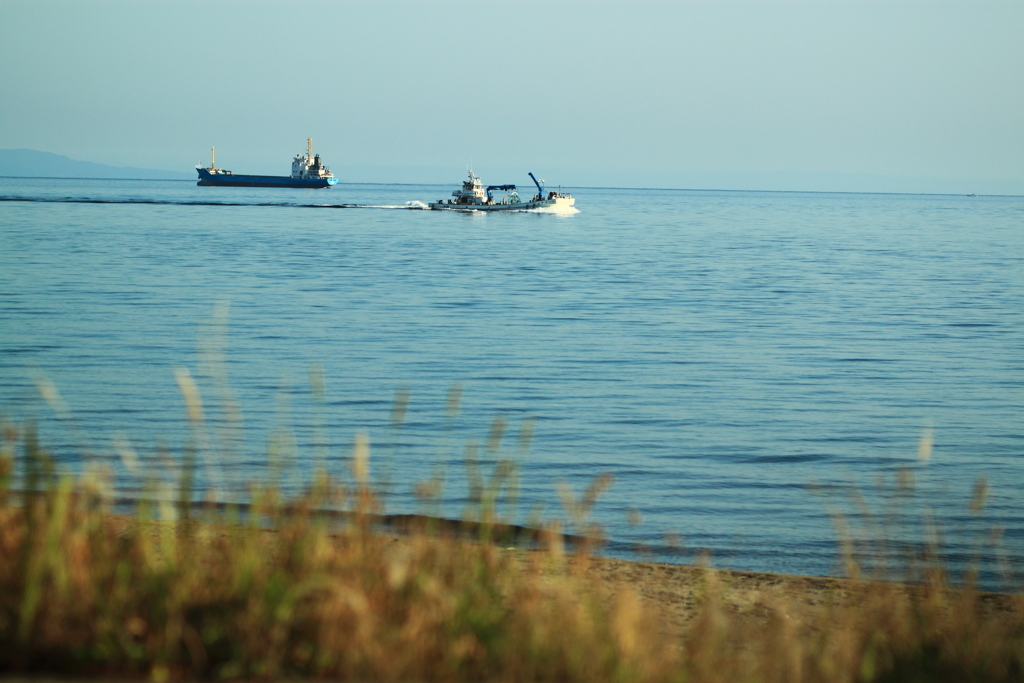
x=473, y=196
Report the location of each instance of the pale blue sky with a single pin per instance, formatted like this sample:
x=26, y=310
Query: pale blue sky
x=815, y=94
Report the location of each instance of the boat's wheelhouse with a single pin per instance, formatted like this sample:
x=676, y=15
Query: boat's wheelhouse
x=472, y=192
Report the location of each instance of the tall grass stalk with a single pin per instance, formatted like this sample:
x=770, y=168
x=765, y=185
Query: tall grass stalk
x=186, y=591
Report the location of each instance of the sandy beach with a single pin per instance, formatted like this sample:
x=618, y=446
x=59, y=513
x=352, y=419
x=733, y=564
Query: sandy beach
x=676, y=592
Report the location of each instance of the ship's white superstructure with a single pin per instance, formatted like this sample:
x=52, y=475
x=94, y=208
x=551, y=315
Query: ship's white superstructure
x=308, y=165
x=473, y=196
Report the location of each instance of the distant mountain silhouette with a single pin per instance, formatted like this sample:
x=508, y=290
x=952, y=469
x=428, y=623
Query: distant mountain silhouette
x=29, y=163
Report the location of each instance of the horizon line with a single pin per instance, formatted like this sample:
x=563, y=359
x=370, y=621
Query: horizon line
x=575, y=187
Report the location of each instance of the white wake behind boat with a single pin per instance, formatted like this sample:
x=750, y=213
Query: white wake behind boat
x=473, y=196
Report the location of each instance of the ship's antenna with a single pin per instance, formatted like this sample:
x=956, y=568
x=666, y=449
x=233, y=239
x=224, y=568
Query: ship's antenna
x=309, y=148
x=212, y=158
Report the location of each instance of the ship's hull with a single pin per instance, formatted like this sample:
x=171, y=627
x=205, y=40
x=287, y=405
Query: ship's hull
x=557, y=204
x=231, y=180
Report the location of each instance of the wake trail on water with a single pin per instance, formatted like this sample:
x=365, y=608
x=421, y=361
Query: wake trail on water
x=408, y=206
x=414, y=205
x=563, y=210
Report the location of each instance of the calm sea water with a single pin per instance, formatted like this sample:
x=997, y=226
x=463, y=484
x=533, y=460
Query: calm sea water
x=717, y=352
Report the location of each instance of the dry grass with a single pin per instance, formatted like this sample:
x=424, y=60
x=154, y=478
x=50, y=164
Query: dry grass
x=281, y=593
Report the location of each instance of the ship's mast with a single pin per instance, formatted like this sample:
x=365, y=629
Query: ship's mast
x=212, y=158
x=309, y=148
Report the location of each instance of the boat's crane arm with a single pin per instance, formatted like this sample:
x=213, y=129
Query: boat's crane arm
x=503, y=188
x=536, y=182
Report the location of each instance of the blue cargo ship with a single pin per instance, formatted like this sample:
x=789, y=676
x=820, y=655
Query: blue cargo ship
x=307, y=171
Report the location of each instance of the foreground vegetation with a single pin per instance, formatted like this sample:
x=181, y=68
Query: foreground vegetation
x=280, y=591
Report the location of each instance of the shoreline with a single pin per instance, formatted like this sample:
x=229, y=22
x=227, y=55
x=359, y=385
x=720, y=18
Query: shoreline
x=675, y=591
